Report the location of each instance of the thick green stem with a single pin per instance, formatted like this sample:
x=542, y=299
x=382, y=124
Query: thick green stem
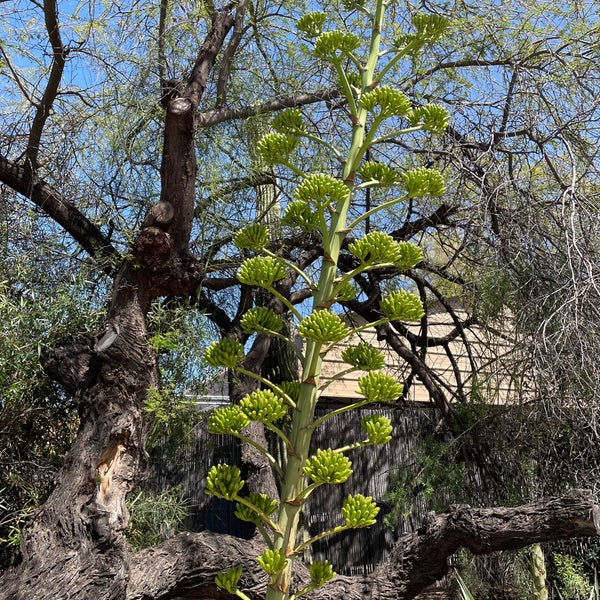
x=302, y=422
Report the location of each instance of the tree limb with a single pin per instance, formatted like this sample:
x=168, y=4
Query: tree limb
x=188, y=563
x=212, y=117
x=83, y=231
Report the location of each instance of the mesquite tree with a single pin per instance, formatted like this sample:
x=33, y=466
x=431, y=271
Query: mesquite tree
x=74, y=545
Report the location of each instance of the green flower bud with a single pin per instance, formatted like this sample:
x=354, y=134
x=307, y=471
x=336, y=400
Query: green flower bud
x=321, y=190
x=364, y=357
x=227, y=420
x=272, y=561
x=291, y=388
x=328, y=466
x=430, y=27
x=359, y=511
x=253, y=237
x=380, y=172
x=408, y=255
x=433, y=118
x=300, y=214
x=347, y=291
x=401, y=305
x=379, y=387
x=262, y=502
x=353, y=4
x=262, y=271
x=312, y=24
x=261, y=319
x=275, y=148
x=322, y=326
x=228, y=353
x=390, y=102
x=331, y=44
x=377, y=247
x=423, y=182
x=320, y=573
x=289, y=122
x=263, y=406
x=224, y=481
x=228, y=580
x=378, y=429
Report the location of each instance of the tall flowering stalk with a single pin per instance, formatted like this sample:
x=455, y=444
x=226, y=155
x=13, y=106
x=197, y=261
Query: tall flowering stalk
x=320, y=205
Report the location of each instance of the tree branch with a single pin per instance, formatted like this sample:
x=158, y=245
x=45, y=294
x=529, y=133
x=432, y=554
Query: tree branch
x=45, y=105
x=212, y=117
x=83, y=231
x=417, y=560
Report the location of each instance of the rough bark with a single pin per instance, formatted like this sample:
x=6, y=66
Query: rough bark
x=418, y=559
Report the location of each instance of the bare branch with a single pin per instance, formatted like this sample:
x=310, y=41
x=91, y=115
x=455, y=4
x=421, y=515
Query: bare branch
x=212, y=117
x=45, y=105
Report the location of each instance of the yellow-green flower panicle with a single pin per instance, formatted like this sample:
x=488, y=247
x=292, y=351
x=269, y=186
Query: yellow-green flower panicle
x=276, y=148
x=432, y=117
x=227, y=420
x=328, y=466
x=423, y=182
x=346, y=291
x=379, y=387
x=228, y=353
x=224, y=481
x=386, y=101
x=378, y=429
x=291, y=388
x=320, y=573
x=263, y=406
x=272, y=561
x=312, y=24
x=321, y=190
x=383, y=174
x=353, y=4
x=359, y=511
x=262, y=271
x=267, y=506
x=323, y=327
x=252, y=237
x=289, y=122
x=377, y=247
x=299, y=214
x=332, y=44
x=228, y=580
x=408, y=255
x=429, y=27
x=261, y=319
x=401, y=305
x=363, y=356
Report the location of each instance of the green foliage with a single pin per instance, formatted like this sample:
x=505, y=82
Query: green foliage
x=173, y=415
x=155, y=516
x=435, y=467
x=572, y=581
